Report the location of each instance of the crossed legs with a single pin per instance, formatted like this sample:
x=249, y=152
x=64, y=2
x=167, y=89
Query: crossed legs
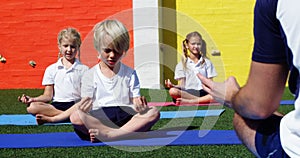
x=97, y=131
x=246, y=130
x=182, y=96
x=265, y=132
x=42, y=111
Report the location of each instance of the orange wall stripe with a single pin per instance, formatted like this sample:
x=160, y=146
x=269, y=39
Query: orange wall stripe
x=29, y=29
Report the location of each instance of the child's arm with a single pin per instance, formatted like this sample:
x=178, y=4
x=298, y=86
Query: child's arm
x=169, y=84
x=45, y=97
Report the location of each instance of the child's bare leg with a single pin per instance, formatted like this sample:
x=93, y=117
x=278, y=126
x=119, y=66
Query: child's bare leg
x=185, y=97
x=41, y=119
x=93, y=125
x=79, y=126
x=61, y=116
x=194, y=99
x=42, y=108
x=139, y=123
x=175, y=92
x=142, y=122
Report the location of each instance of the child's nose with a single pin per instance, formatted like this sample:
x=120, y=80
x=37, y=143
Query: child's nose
x=69, y=48
x=111, y=54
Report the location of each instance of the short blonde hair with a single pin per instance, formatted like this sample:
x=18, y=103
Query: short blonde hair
x=111, y=32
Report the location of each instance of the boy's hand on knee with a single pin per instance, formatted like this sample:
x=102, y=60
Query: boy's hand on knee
x=85, y=104
x=140, y=104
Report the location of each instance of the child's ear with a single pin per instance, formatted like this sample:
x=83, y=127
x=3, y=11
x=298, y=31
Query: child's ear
x=124, y=53
x=59, y=49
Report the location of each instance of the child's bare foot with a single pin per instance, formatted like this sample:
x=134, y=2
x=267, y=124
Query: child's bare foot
x=96, y=136
x=186, y=101
x=41, y=119
x=199, y=100
x=94, y=133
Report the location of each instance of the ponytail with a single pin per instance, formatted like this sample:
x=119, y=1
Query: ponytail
x=185, y=54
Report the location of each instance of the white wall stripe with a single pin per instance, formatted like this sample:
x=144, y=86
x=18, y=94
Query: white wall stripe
x=146, y=42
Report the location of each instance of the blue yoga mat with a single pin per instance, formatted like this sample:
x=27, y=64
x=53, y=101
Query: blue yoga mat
x=287, y=102
x=22, y=120
x=27, y=119
x=192, y=113
x=154, y=138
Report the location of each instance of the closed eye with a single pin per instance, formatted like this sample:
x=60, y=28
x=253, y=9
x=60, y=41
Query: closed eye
x=108, y=50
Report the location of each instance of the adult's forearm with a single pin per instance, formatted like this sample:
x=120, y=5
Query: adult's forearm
x=261, y=95
x=246, y=106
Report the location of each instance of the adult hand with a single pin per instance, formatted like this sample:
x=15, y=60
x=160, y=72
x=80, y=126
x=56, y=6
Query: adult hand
x=140, y=104
x=221, y=92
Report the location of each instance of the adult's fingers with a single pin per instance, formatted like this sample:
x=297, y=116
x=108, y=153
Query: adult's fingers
x=204, y=80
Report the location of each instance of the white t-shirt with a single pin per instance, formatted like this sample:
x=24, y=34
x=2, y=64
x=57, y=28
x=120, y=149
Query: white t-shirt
x=109, y=92
x=288, y=14
x=66, y=81
x=190, y=74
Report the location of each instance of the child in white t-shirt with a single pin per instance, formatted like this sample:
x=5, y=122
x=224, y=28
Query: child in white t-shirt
x=194, y=61
x=61, y=80
x=111, y=106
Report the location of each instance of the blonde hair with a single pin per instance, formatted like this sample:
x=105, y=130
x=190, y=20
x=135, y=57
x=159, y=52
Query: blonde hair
x=202, y=52
x=112, y=31
x=70, y=34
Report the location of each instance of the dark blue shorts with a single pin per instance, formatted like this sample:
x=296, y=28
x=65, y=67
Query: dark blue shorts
x=267, y=139
x=198, y=93
x=114, y=117
x=63, y=106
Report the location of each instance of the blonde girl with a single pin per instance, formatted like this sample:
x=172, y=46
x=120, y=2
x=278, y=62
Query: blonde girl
x=194, y=61
x=61, y=80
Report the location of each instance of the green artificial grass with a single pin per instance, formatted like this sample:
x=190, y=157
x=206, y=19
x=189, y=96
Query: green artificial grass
x=10, y=105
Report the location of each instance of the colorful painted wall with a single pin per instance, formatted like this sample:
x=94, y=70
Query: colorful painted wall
x=226, y=26
x=29, y=29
